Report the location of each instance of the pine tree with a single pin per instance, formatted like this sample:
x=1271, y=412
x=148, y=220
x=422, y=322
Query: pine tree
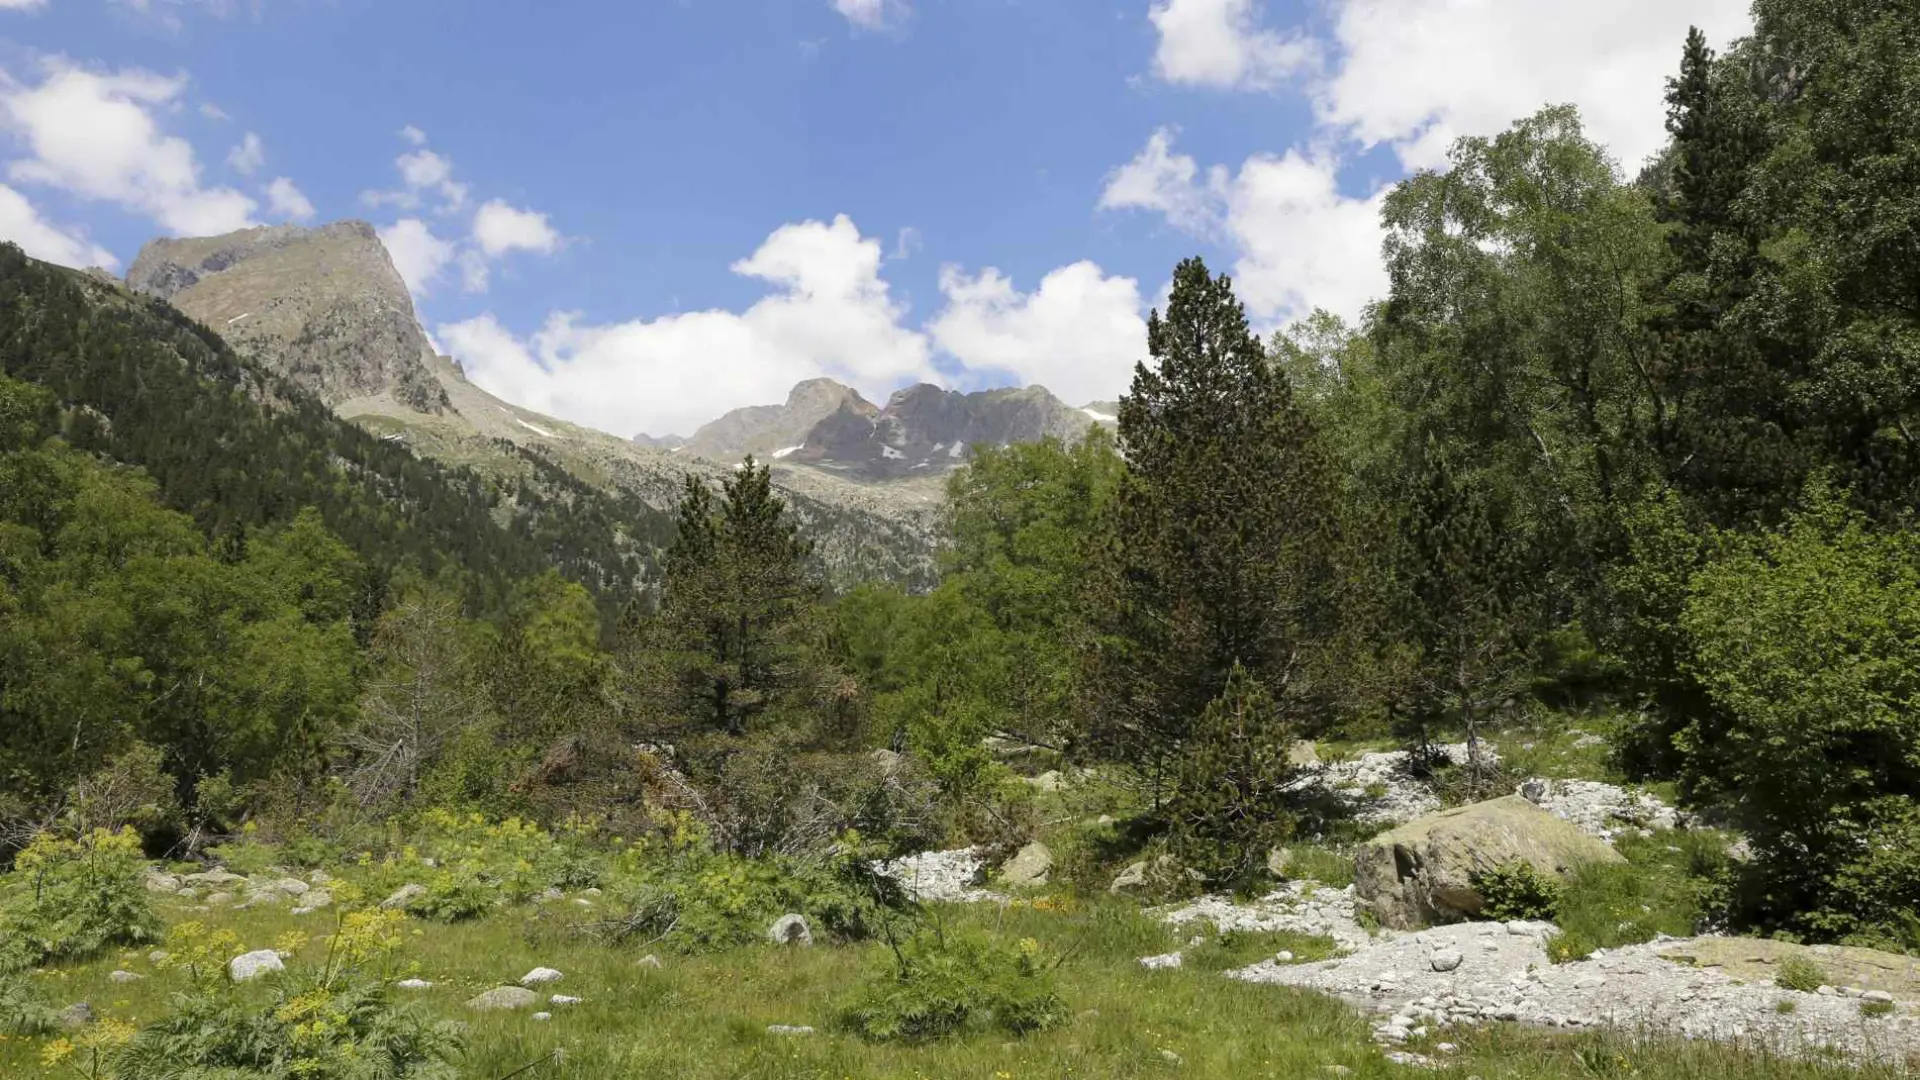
x=1231, y=804
x=736, y=611
x=1218, y=542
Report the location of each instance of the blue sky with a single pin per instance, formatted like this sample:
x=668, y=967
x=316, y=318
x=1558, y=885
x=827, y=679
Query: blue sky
x=635, y=215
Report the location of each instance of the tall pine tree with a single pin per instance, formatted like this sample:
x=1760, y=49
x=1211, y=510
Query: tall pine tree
x=1218, y=542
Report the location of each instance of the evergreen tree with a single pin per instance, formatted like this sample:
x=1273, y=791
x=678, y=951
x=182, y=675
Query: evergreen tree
x=1231, y=802
x=736, y=625
x=1217, y=550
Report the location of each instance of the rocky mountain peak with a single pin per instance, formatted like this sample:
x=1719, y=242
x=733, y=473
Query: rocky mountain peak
x=323, y=306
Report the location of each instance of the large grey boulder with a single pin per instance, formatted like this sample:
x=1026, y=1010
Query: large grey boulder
x=404, y=895
x=1029, y=866
x=1423, y=872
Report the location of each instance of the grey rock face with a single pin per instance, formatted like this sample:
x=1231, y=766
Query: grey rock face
x=1030, y=866
x=324, y=306
x=766, y=430
x=404, y=895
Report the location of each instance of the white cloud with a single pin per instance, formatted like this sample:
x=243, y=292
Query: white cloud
x=1417, y=74
x=248, y=156
x=1220, y=44
x=213, y=112
x=474, y=272
x=1300, y=243
x=422, y=172
x=499, y=228
x=288, y=201
x=96, y=136
x=22, y=5
x=907, y=244
x=871, y=14
x=1078, y=334
x=419, y=255
x=829, y=313
x=1159, y=180
x=22, y=224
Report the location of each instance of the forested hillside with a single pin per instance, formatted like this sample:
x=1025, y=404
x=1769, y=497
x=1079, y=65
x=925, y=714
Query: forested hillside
x=239, y=449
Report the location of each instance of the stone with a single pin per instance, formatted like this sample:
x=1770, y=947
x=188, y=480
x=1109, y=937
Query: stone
x=213, y=878
x=1421, y=873
x=1163, y=962
x=503, y=997
x=254, y=964
x=155, y=881
x=563, y=999
x=790, y=929
x=1880, y=996
x=404, y=895
x=290, y=886
x=1133, y=877
x=157, y=956
x=1172, y=1058
x=1051, y=780
x=788, y=1029
x=1447, y=960
x=1030, y=866
x=549, y=895
x=220, y=899
x=1302, y=755
x=649, y=960
x=79, y=1014
x=314, y=901
x=542, y=1016
x=541, y=976
x=1284, y=956
x=123, y=977
x=414, y=984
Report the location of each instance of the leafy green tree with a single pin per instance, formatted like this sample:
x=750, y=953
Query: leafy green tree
x=1807, y=641
x=1218, y=547
x=423, y=691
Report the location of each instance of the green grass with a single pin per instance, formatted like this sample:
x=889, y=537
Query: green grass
x=705, y=1017
x=1666, y=886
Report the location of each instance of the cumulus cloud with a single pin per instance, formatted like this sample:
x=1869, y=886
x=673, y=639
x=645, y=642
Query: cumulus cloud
x=1220, y=44
x=21, y=223
x=98, y=136
x=1300, y=242
x=248, y=156
x=828, y=313
x=1417, y=74
x=871, y=14
x=286, y=200
x=419, y=255
x=1078, y=334
x=423, y=173
x=499, y=228
x=1159, y=180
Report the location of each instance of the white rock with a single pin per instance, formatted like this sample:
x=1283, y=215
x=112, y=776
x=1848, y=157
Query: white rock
x=123, y=977
x=540, y=976
x=541, y=1016
x=414, y=984
x=788, y=1029
x=254, y=964
x=1163, y=962
x=563, y=999
x=1446, y=959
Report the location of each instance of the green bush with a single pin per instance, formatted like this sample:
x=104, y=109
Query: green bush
x=23, y=1010
x=1673, y=883
x=1232, y=802
x=1807, y=643
x=938, y=984
x=1799, y=973
x=455, y=895
x=331, y=1020
x=1517, y=891
x=68, y=899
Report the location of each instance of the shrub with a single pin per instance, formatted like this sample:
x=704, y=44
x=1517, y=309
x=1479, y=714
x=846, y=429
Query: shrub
x=1799, y=973
x=939, y=984
x=334, y=1020
x=455, y=895
x=23, y=1010
x=1517, y=891
x=1807, y=643
x=69, y=899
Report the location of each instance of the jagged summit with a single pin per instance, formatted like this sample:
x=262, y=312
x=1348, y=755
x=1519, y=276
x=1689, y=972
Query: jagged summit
x=323, y=306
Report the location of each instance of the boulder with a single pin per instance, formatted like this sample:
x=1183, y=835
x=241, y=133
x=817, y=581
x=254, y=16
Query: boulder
x=1029, y=866
x=77, y=1015
x=541, y=976
x=123, y=977
x=290, y=886
x=254, y=964
x=504, y=997
x=155, y=881
x=1422, y=873
x=790, y=929
x=404, y=895
x=1302, y=755
x=213, y=878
